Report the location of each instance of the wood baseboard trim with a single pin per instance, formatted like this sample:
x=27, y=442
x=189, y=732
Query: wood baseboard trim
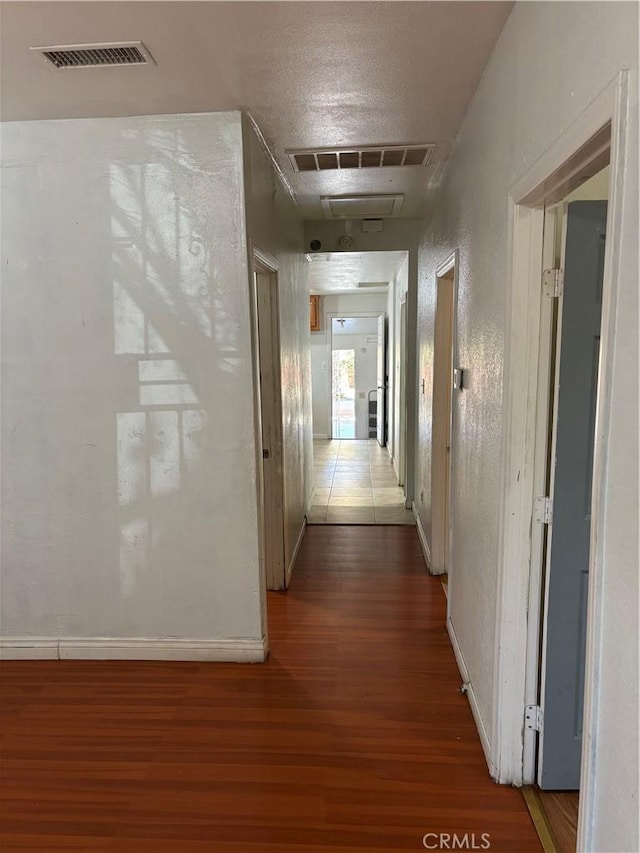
x=540, y=819
x=471, y=696
x=132, y=648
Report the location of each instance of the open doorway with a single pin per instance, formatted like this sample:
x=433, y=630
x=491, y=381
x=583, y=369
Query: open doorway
x=343, y=393
x=358, y=379
x=561, y=327
x=574, y=245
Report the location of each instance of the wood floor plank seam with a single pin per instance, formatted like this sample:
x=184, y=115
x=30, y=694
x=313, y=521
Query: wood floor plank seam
x=352, y=736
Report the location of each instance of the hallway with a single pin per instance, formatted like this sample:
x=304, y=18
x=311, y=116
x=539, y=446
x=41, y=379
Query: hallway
x=352, y=737
x=355, y=483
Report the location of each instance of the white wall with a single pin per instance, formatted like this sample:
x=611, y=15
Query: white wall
x=320, y=380
x=550, y=62
x=129, y=508
x=346, y=305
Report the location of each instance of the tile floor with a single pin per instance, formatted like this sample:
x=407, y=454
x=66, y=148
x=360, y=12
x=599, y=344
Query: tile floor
x=356, y=484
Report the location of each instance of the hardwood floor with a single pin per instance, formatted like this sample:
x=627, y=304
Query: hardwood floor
x=555, y=815
x=352, y=737
x=561, y=808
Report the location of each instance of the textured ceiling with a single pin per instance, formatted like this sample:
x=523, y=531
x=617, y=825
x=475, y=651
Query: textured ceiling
x=312, y=74
x=335, y=272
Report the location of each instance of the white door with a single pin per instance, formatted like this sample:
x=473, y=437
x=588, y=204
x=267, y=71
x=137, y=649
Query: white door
x=569, y=533
x=271, y=412
x=381, y=383
x=442, y=421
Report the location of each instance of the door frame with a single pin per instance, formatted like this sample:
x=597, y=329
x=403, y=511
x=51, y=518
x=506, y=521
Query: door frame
x=401, y=380
x=441, y=492
x=264, y=263
x=329, y=318
x=545, y=460
x=600, y=133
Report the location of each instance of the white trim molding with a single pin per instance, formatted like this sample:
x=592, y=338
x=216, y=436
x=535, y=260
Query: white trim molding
x=515, y=624
x=28, y=648
x=426, y=551
x=467, y=688
x=132, y=648
x=310, y=500
x=296, y=550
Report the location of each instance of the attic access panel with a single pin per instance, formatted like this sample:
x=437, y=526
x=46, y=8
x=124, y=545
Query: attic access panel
x=384, y=206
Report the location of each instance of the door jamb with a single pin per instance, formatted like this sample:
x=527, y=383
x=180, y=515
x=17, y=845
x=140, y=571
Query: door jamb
x=402, y=394
x=450, y=264
x=567, y=160
x=260, y=262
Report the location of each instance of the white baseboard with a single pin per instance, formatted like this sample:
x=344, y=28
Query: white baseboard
x=132, y=648
x=296, y=550
x=321, y=436
x=28, y=648
x=310, y=500
x=426, y=552
x=473, y=701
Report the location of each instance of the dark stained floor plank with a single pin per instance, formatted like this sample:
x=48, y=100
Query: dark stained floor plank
x=352, y=737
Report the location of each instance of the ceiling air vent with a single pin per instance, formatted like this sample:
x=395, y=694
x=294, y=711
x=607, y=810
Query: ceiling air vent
x=96, y=55
x=371, y=157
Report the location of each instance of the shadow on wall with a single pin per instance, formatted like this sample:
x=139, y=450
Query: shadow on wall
x=170, y=323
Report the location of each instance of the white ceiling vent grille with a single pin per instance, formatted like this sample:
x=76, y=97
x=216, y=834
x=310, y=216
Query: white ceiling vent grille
x=96, y=55
x=361, y=206
x=371, y=157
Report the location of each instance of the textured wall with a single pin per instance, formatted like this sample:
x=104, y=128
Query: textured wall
x=129, y=493
x=273, y=226
x=551, y=61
